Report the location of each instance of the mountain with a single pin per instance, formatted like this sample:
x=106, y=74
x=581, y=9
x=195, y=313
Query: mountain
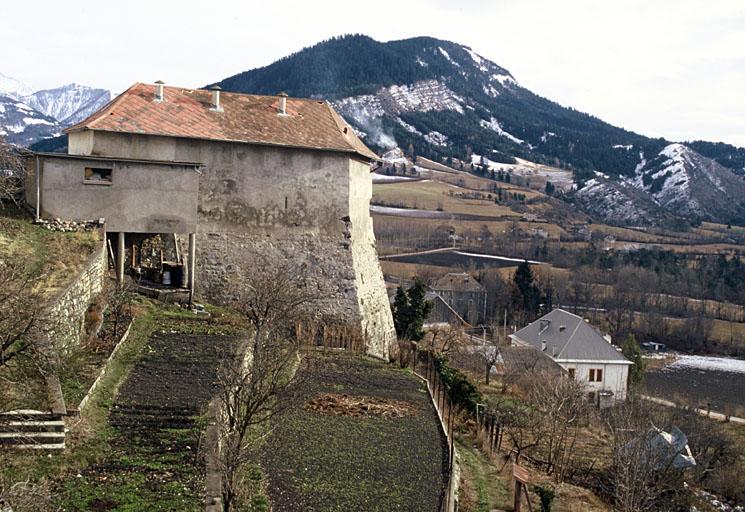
x=13, y=88
x=70, y=103
x=21, y=124
x=27, y=116
x=676, y=182
x=439, y=99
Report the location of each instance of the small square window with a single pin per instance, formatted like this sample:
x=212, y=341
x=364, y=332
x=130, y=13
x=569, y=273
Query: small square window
x=572, y=373
x=98, y=175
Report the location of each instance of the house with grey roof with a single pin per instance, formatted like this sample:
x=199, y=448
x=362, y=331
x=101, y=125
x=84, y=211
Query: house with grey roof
x=582, y=350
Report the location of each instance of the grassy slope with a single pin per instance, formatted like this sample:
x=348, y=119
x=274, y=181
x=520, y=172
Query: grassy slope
x=92, y=440
x=54, y=257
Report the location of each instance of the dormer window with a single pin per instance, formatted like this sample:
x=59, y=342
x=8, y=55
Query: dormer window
x=98, y=176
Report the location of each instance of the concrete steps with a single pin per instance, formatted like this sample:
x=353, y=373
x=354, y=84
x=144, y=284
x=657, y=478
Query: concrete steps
x=28, y=429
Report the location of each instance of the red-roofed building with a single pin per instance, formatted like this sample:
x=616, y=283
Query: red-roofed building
x=243, y=176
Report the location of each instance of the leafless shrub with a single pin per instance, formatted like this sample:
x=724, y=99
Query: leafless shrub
x=27, y=496
x=18, y=315
x=11, y=173
x=640, y=476
x=255, y=387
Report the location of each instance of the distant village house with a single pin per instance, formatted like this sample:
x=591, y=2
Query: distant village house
x=579, y=348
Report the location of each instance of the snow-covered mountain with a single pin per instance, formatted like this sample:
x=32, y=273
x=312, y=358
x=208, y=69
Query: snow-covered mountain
x=21, y=124
x=13, y=88
x=70, y=103
x=27, y=116
x=675, y=182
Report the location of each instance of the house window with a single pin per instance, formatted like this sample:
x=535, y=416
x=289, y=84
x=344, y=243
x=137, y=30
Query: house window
x=98, y=175
x=596, y=375
x=572, y=373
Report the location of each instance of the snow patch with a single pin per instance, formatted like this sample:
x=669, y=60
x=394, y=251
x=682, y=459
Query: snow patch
x=710, y=363
x=421, y=62
x=34, y=120
x=627, y=147
x=409, y=128
x=504, y=79
x=547, y=135
x=447, y=56
x=493, y=124
x=436, y=138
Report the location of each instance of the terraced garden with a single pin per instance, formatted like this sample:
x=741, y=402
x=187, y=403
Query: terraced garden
x=154, y=462
x=362, y=436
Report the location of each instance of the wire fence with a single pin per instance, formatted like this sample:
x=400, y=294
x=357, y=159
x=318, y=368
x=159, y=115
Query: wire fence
x=424, y=367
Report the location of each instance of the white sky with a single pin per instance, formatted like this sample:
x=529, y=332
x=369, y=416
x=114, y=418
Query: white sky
x=671, y=68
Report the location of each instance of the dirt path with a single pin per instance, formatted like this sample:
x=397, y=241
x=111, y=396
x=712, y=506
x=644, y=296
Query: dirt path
x=153, y=463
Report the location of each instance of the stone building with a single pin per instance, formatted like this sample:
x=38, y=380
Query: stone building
x=248, y=178
x=463, y=294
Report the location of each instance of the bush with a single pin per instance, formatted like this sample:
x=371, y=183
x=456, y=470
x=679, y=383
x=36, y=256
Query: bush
x=546, y=495
x=459, y=389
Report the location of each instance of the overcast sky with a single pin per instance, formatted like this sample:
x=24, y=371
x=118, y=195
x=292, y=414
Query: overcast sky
x=670, y=68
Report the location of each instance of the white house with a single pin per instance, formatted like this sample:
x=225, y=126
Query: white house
x=583, y=351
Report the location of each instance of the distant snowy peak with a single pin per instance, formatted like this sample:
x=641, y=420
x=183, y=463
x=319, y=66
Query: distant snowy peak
x=677, y=181
x=70, y=103
x=22, y=124
x=13, y=88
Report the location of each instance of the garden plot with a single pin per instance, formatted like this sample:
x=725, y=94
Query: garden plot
x=153, y=462
x=362, y=436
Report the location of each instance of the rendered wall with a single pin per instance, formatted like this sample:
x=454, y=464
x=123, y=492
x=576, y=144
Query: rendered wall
x=140, y=199
x=615, y=377
x=262, y=203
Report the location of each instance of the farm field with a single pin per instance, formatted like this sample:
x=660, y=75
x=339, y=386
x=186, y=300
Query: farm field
x=326, y=453
x=701, y=380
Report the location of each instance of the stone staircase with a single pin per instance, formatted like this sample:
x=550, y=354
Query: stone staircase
x=29, y=429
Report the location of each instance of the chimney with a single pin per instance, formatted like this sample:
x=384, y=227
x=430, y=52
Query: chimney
x=282, y=110
x=216, y=98
x=544, y=324
x=159, y=91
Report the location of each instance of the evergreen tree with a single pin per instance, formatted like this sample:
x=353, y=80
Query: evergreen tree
x=550, y=188
x=410, y=309
x=419, y=309
x=401, y=311
x=633, y=353
x=526, y=295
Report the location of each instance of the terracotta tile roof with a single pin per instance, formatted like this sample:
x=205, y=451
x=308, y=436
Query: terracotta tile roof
x=311, y=124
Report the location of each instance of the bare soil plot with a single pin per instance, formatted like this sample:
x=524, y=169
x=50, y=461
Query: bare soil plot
x=153, y=462
x=365, y=437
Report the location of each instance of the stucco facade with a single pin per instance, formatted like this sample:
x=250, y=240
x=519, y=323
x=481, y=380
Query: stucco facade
x=614, y=377
x=270, y=203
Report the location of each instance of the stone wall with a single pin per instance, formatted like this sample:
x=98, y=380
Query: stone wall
x=65, y=316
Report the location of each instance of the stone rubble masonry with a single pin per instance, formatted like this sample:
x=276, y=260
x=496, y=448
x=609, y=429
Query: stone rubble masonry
x=65, y=317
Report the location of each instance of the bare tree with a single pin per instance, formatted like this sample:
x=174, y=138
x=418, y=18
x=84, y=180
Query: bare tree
x=17, y=312
x=256, y=385
x=563, y=405
x=640, y=475
x=12, y=173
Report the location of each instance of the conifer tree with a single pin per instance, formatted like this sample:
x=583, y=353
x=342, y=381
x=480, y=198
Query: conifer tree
x=633, y=353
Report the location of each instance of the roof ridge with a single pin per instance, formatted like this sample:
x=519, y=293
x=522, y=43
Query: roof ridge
x=569, y=339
